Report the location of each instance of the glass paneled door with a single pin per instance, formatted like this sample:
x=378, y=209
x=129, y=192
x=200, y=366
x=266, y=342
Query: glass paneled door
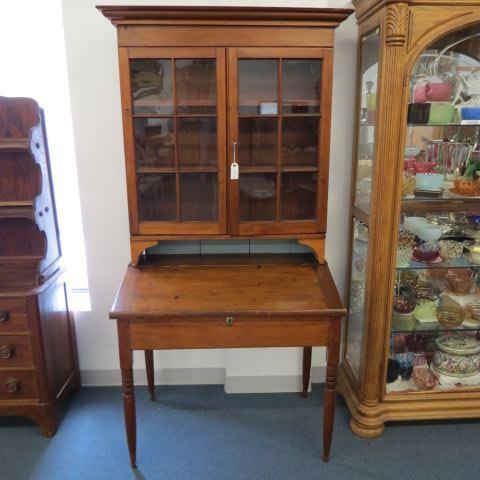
x=278, y=140
x=176, y=116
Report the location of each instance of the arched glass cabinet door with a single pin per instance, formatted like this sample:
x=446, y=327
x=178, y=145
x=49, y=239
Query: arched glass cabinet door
x=363, y=167
x=434, y=342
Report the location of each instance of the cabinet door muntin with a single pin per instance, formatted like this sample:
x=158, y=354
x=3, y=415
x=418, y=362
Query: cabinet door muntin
x=279, y=104
x=175, y=111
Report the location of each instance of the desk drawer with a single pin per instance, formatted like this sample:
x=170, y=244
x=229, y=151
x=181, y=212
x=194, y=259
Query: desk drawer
x=15, y=351
x=18, y=385
x=13, y=315
x=228, y=332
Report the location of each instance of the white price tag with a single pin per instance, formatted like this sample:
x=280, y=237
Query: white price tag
x=234, y=171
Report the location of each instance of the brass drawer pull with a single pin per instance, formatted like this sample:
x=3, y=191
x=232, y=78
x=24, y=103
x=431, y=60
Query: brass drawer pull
x=229, y=321
x=6, y=352
x=3, y=316
x=12, y=385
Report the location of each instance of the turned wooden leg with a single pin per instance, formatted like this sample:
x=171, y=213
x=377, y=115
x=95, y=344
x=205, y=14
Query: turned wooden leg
x=150, y=375
x=333, y=350
x=307, y=367
x=126, y=365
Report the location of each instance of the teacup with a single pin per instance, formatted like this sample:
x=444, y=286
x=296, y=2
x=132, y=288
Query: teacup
x=441, y=113
x=432, y=89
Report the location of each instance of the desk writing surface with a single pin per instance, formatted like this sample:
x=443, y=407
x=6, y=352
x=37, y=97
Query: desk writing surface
x=251, y=289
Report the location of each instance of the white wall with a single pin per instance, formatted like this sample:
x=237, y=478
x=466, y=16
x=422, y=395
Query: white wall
x=94, y=86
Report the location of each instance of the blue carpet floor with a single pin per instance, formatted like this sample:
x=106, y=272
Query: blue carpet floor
x=197, y=433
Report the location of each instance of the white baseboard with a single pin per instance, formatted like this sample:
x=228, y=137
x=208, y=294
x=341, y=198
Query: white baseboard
x=206, y=376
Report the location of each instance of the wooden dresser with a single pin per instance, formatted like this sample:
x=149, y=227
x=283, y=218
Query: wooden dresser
x=226, y=117
x=38, y=356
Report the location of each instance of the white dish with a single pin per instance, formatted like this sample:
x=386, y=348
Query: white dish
x=412, y=223
x=429, y=233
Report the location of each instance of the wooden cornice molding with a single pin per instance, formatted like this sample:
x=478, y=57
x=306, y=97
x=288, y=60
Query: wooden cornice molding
x=151, y=15
x=365, y=8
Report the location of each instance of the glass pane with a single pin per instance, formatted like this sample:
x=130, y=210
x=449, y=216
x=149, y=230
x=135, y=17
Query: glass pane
x=152, y=87
x=300, y=141
x=258, y=87
x=258, y=141
x=367, y=121
x=298, y=196
x=198, y=197
x=197, y=142
x=196, y=82
x=355, y=322
x=157, y=198
x=154, y=142
x=257, y=196
x=301, y=86
x=435, y=321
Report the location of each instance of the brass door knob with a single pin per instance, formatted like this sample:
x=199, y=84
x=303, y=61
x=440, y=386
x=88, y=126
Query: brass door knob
x=6, y=352
x=3, y=315
x=12, y=385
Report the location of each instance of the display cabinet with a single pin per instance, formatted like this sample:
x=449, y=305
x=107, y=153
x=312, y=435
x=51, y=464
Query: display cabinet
x=412, y=348
x=226, y=134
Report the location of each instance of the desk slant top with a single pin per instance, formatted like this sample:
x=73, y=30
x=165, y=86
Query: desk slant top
x=211, y=290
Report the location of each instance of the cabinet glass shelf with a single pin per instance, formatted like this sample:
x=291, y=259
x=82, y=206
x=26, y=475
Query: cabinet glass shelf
x=461, y=262
x=435, y=327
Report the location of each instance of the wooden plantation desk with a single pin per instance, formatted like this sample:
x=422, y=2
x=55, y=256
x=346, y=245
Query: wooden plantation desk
x=251, y=301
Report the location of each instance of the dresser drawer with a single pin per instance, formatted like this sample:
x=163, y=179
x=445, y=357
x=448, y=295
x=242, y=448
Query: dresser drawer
x=15, y=351
x=13, y=315
x=17, y=385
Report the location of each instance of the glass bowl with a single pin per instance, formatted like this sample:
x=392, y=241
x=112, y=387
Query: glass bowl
x=450, y=249
x=474, y=309
x=423, y=291
x=450, y=317
x=403, y=321
x=424, y=379
x=460, y=281
x=466, y=187
x=426, y=252
x=404, y=255
x=402, y=304
x=406, y=239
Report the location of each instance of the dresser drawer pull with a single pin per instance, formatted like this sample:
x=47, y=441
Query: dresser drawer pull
x=12, y=385
x=229, y=321
x=3, y=316
x=6, y=352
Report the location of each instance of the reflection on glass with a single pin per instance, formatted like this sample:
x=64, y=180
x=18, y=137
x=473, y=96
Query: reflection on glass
x=197, y=142
x=301, y=86
x=258, y=87
x=198, y=197
x=157, y=198
x=195, y=86
x=357, y=296
x=257, y=196
x=300, y=141
x=367, y=121
x=154, y=142
x=298, y=195
x=258, y=141
x=151, y=87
